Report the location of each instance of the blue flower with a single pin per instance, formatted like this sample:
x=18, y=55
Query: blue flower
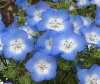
x=14, y=24
x=97, y=16
x=92, y=35
x=34, y=13
x=2, y=26
x=22, y=4
x=86, y=21
x=70, y=0
x=68, y=45
x=82, y=3
x=0, y=17
x=77, y=23
x=44, y=43
x=57, y=0
x=57, y=20
x=77, y=65
x=16, y=44
x=41, y=67
x=89, y=76
x=8, y=83
x=1, y=43
x=31, y=31
x=96, y=2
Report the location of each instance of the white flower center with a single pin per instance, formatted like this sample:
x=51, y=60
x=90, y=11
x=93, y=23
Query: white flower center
x=1, y=45
x=97, y=1
x=55, y=24
x=42, y=67
x=1, y=82
x=93, y=79
x=48, y=43
x=71, y=8
x=76, y=27
x=82, y=2
x=85, y=22
x=17, y=46
x=67, y=45
x=37, y=15
x=92, y=37
x=30, y=32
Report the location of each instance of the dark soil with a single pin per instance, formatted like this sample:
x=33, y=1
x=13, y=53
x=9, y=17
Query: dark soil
x=8, y=9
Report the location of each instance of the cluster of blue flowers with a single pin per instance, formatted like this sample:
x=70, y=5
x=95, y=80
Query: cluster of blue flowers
x=63, y=36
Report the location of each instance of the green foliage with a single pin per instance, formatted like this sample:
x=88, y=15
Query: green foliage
x=21, y=18
x=64, y=65
x=25, y=79
x=89, y=11
x=63, y=5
